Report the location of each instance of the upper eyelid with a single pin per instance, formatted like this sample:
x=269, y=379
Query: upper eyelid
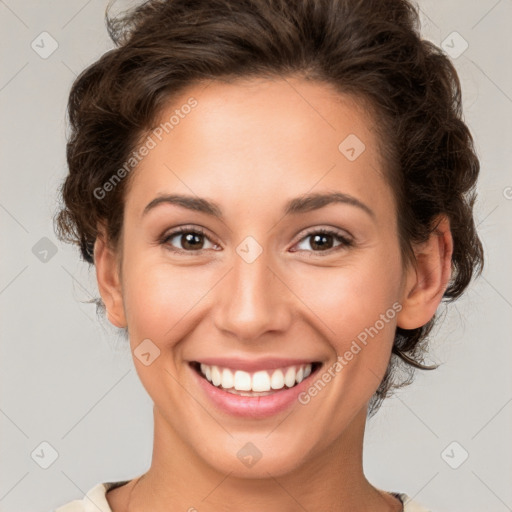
x=330, y=230
x=186, y=229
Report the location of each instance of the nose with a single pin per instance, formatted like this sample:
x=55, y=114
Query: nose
x=253, y=300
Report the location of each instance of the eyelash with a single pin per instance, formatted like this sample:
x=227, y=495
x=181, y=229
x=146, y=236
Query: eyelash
x=345, y=242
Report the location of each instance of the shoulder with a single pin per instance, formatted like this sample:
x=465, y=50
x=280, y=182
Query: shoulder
x=94, y=500
x=409, y=504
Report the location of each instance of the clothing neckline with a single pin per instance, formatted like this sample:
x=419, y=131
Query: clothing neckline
x=115, y=484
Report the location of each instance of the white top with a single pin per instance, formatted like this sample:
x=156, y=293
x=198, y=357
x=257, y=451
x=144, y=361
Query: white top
x=95, y=500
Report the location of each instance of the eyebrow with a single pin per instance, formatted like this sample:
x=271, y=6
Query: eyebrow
x=301, y=204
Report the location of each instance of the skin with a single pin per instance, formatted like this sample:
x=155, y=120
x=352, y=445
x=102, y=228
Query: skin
x=250, y=146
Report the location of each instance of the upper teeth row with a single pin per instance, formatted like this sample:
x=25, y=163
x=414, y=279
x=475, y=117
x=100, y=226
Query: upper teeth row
x=258, y=381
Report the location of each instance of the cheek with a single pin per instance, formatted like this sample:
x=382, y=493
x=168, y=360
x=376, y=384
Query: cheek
x=356, y=308
x=160, y=301
x=158, y=296
x=347, y=299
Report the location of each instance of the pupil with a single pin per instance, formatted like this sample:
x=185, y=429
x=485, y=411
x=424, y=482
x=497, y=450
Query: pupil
x=321, y=237
x=189, y=240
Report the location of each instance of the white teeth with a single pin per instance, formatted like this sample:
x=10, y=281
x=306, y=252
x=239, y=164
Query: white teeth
x=227, y=379
x=289, y=377
x=260, y=381
x=206, y=371
x=216, y=378
x=242, y=380
x=277, y=380
x=300, y=375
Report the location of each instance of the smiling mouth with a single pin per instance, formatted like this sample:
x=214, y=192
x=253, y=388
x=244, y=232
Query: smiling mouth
x=260, y=383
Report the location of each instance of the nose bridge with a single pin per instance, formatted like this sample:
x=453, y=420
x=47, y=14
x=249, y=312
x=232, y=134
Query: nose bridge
x=252, y=300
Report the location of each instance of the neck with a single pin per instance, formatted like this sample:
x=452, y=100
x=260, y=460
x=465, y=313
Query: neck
x=331, y=479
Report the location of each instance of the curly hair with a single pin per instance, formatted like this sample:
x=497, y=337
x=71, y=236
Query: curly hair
x=370, y=49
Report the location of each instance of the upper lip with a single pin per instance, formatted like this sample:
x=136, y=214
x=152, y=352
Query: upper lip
x=254, y=365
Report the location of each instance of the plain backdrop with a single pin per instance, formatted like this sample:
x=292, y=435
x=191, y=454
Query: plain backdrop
x=71, y=399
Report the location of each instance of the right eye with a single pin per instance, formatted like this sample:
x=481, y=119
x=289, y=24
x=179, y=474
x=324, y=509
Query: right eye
x=190, y=240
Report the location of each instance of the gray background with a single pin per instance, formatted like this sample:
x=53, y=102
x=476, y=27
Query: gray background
x=67, y=378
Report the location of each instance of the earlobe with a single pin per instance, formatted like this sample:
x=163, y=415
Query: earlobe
x=109, y=284
x=427, y=281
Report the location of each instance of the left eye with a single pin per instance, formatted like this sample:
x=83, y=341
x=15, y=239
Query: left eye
x=191, y=239
x=322, y=239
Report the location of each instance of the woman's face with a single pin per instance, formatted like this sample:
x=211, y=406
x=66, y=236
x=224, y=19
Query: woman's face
x=260, y=287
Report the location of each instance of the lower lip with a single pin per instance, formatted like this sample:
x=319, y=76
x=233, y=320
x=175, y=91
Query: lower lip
x=252, y=406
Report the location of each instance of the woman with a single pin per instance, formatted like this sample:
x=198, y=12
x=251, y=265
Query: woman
x=276, y=196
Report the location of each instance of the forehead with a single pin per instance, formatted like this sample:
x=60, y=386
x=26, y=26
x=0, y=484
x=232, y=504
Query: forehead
x=259, y=140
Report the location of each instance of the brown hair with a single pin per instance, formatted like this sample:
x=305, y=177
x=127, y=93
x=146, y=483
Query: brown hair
x=370, y=49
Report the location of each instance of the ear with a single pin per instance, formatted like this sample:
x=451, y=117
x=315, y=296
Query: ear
x=428, y=279
x=109, y=283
